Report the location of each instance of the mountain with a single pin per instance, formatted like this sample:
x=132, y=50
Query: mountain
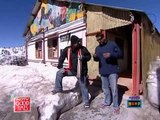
x=13, y=56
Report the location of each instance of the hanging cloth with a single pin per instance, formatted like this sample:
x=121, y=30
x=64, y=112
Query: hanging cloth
x=69, y=67
x=79, y=64
x=69, y=58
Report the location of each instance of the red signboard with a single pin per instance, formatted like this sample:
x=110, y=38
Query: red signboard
x=22, y=104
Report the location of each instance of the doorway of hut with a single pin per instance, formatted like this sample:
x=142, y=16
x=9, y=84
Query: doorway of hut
x=123, y=37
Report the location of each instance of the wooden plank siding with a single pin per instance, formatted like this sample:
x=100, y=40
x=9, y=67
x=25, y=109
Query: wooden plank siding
x=150, y=48
x=93, y=70
x=105, y=18
x=99, y=18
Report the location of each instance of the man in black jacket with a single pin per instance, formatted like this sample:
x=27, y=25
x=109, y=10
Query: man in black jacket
x=77, y=56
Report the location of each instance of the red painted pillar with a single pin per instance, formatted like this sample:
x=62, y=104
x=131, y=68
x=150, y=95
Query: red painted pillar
x=136, y=59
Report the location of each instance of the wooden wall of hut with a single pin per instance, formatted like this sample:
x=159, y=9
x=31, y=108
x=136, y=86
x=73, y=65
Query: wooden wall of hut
x=106, y=18
x=150, y=47
x=92, y=65
x=102, y=18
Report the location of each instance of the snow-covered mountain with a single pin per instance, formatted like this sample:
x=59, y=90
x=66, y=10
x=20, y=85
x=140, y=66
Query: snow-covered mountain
x=13, y=56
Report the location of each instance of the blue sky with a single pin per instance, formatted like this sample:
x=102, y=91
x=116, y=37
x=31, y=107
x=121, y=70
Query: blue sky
x=15, y=14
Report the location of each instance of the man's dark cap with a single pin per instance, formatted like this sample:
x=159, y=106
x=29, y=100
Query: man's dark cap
x=74, y=39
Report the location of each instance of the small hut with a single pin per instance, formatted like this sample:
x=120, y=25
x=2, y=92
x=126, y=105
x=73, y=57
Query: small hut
x=52, y=22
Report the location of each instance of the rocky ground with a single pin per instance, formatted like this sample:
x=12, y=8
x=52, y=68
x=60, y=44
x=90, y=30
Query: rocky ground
x=95, y=112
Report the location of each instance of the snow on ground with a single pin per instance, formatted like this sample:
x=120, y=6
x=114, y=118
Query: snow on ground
x=36, y=81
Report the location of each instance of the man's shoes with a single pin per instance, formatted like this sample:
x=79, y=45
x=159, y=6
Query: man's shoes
x=103, y=105
x=117, y=110
x=55, y=92
x=86, y=105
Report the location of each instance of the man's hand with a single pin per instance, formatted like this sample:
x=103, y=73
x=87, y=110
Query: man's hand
x=62, y=70
x=94, y=55
x=81, y=57
x=106, y=55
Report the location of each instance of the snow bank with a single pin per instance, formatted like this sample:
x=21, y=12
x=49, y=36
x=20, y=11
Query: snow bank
x=153, y=83
x=36, y=81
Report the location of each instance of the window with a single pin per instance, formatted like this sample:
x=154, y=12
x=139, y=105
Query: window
x=53, y=48
x=38, y=46
x=64, y=38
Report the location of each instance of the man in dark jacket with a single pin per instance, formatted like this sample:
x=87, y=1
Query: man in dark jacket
x=77, y=56
x=107, y=53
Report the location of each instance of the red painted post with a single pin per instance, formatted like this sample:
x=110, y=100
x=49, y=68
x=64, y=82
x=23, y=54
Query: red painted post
x=136, y=59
